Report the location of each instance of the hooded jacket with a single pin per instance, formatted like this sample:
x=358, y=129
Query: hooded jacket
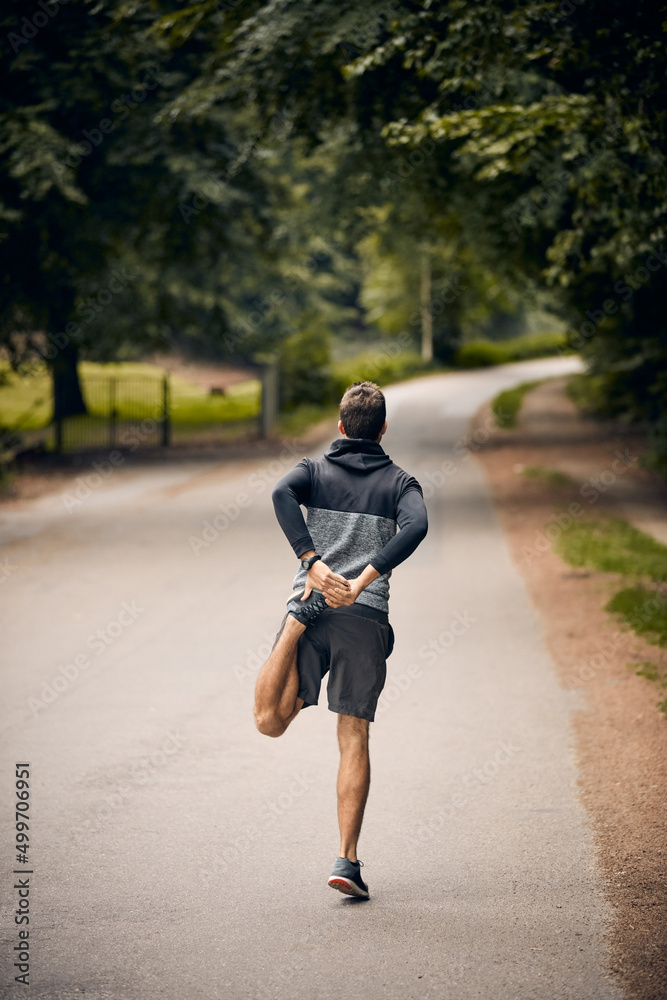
x=356, y=498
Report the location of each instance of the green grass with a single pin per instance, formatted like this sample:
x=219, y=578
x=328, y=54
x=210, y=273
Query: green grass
x=651, y=671
x=644, y=610
x=507, y=405
x=613, y=546
x=190, y=404
x=297, y=422
x=26, y=402
x=553, y=477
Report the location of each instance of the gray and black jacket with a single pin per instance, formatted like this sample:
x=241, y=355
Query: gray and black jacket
x=356, y=499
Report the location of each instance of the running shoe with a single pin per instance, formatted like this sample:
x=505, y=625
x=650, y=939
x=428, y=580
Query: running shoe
x=346, y=877
x=307, y=611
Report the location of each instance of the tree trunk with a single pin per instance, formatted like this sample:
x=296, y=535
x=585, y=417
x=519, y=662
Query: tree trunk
x=68, y=398
x=426, y=312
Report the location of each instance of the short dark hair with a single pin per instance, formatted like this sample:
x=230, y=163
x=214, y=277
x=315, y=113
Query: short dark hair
x=363, y=410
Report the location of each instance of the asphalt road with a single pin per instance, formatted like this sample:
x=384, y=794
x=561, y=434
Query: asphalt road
x=175, y=852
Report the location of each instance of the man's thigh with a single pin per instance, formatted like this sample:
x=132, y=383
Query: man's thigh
x=358, y=648
x=312, y=662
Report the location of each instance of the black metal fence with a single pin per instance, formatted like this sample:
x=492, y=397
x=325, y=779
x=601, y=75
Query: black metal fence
x=131, y=411
x=137, y=411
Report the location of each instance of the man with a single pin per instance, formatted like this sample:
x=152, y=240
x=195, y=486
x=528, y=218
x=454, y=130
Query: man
x=337, y=621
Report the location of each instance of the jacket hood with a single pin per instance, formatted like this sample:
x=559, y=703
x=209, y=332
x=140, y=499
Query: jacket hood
x=358, y=454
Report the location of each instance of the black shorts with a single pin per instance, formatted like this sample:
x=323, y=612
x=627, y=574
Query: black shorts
x=352, y=644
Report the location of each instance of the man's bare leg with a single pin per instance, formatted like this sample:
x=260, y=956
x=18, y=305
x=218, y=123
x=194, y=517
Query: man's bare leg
x=276, y=701
x=354, y=779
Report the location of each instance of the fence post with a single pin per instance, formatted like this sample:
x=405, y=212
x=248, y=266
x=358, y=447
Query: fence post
x=166, y=416
x=58, y=428
x=113, y=412
x=269, y=413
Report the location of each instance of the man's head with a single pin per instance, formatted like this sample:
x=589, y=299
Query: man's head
x=363, y=412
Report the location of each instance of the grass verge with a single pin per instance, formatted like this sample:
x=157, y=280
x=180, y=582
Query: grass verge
x=614, y=546
x=552, y=477
x=507, y=405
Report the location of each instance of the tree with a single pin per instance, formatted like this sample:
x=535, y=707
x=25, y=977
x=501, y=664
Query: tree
x=546, y=123
x=123, y=226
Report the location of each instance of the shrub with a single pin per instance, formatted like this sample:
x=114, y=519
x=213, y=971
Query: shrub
x=591, y=393
x=380, y=366
x=479, y=354
x=304, y=369
x=484, y=353
x=507, y=405
x=605, y=395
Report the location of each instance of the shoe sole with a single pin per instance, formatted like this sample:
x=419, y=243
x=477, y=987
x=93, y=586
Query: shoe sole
x=347, y=886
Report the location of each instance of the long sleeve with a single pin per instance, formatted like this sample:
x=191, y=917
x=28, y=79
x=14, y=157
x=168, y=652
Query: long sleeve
x=412, y=520
x=288, y=495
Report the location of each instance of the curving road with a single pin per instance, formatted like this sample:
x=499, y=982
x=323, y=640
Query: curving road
x=175, y=853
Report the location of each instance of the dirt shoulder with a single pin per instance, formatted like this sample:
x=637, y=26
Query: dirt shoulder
x=619, y=735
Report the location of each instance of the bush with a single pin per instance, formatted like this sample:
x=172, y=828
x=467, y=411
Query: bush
x=484, y=353
x=304, y=369
x=479, y=354
x=592, y=394
x=507, y=405
x=380, y=366
x=607, y=396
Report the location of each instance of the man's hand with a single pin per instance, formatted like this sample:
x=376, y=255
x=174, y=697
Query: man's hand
x=337, y=596
x=320, y=577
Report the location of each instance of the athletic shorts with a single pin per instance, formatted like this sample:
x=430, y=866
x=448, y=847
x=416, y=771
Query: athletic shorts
x=351, y=644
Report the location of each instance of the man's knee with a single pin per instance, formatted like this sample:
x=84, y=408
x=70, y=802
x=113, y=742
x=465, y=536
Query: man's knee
x=352, y=730
x=270, y=724
x=353, y=723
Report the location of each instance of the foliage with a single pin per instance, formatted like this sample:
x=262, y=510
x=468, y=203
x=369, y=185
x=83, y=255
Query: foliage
x=516, y=146
x=304, y=369
x=546, y=143
x=606, y=396
x=644, y=610
x=587, y=392
x=381, y=367
x=553, y=477
x=484, y=353
x=129, y=221
x=507, y=405
x=613, y=546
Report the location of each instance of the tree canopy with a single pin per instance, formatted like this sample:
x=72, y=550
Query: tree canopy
x=510, y=147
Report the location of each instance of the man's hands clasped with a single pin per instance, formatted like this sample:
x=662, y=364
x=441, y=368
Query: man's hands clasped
x=336, y=589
